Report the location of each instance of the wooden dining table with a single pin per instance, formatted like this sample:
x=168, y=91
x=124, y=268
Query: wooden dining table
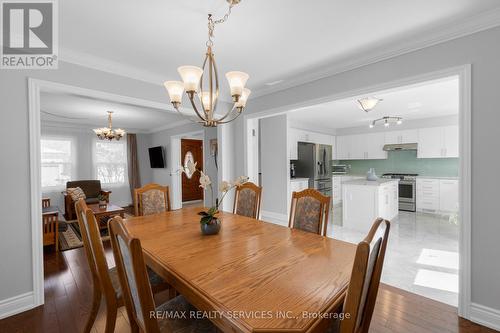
x=253, y=276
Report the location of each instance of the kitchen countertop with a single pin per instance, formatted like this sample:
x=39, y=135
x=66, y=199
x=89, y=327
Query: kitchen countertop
x=299, y=179
x=365, y=182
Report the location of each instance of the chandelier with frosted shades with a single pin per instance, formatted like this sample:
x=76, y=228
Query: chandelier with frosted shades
x=108, y=133
x=202, y=84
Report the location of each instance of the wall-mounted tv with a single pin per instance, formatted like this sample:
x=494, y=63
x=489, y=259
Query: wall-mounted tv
x=156, y=158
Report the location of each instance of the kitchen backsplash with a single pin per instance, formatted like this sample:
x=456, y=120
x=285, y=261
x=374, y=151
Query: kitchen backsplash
x=406, y=162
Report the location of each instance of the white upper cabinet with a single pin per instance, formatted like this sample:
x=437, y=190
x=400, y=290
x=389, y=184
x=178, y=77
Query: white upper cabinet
x=405, y=136
x=451, y=138
x=297, y=135
x=438, y=142
x=361, y=147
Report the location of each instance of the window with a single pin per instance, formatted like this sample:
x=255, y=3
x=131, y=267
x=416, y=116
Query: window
x=57, y=162
x=110, y=162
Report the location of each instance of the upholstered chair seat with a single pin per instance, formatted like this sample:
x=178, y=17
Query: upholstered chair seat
x=180, y=304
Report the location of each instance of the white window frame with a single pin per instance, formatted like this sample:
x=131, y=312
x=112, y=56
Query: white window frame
x=72, y=162
x=123, y=142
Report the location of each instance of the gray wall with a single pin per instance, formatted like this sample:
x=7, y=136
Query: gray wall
x=482, y=50
x=274, y=160
x=15, y=226
x=145, y=171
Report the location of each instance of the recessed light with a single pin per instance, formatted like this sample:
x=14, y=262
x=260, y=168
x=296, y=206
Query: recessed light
x=274, y=82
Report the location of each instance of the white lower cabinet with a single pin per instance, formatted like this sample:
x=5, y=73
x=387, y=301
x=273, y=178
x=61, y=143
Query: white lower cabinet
x=337, y=181
x=437, y=195
x=448, y=195
x=297, y=185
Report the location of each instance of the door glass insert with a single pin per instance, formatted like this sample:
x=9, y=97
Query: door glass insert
x=188, y=159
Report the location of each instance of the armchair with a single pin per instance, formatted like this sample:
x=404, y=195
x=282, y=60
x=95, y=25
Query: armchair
x=91, y=188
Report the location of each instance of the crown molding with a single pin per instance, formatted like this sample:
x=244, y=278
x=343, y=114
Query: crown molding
x=457, y=29
x=109, y=66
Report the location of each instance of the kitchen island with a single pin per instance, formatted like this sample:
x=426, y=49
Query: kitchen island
x=363, y=201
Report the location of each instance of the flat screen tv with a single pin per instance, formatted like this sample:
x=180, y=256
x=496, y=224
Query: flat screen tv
x=156, y=159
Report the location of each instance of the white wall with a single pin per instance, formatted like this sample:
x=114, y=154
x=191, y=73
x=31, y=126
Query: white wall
x=482, y=50
x=274, y=167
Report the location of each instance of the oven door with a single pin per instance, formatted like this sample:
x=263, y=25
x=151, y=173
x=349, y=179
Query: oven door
x=406, y=191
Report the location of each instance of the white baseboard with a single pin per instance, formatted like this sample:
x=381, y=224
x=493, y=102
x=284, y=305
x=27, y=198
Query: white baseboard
x=276, y=218
x=16, y=304
x=485, y=316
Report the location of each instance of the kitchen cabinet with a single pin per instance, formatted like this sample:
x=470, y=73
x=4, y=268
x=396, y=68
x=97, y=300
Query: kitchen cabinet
x=363, y=201
x=361, y=147
x=438, y=142
x=448, y=195
x=299, y=184
x=405, y=136
x=297, y=135
x=437, y=195
x=337, y=182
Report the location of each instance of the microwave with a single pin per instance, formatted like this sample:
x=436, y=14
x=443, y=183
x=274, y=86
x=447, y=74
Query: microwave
x=339, y=169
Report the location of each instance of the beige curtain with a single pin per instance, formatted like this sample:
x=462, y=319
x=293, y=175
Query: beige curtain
x=133, y=164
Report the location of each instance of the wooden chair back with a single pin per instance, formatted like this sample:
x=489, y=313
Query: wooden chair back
x=50, y=229
x=309, y=211
x=94, y=250
x=247, y=200
x=365, y=279
x=45, y=202
x=133, y=275
x=139, y=196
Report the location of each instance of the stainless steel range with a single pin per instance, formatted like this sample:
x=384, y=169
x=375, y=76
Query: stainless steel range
x=407, y=189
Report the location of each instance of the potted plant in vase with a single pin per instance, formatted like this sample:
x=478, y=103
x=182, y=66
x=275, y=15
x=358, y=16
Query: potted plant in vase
x=102, y=201
x=210, y=223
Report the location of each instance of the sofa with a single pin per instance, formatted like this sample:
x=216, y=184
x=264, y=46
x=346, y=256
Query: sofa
x=91, y=188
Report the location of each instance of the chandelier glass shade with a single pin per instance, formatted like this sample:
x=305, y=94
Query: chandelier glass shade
x=201, y=85
x=387, y=120
x=368, y=103
x=108, y=133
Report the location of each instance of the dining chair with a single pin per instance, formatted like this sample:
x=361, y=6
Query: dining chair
x=137, y=290
x=105, y=280
x=45, y=202
x=365, y=280
x=309, y=211
x=247, y=200
x=50, y=229
x=151, y=199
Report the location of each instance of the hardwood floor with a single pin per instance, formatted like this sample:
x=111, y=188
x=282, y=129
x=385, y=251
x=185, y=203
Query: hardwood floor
x=68, y=298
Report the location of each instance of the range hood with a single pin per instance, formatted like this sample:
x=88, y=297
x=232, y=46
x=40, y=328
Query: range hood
x=400, y=146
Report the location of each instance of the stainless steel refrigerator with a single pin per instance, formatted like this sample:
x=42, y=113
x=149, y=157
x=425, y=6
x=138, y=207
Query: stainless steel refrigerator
x=314, y=162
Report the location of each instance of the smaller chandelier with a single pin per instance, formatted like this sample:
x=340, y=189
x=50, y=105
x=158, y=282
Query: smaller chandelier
x=108, y=133
x=368, y=103
x=387, y=121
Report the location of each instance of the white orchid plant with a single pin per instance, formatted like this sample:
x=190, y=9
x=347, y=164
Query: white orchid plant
x=209, y=217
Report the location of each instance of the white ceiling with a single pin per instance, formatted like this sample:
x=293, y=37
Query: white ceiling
x=426, y=100
x=91, y=112
x=272, y=40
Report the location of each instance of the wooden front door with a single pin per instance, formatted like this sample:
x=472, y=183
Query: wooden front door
x=192, y=149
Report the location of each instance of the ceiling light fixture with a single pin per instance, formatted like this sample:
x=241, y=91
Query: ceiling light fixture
x=368, y=103
x=192, y=83
x=387, y=120
x=108, y=133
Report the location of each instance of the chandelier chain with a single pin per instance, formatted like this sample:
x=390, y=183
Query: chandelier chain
x=212, y=23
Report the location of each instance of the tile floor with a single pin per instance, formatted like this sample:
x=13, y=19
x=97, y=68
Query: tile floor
x=422, y=253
